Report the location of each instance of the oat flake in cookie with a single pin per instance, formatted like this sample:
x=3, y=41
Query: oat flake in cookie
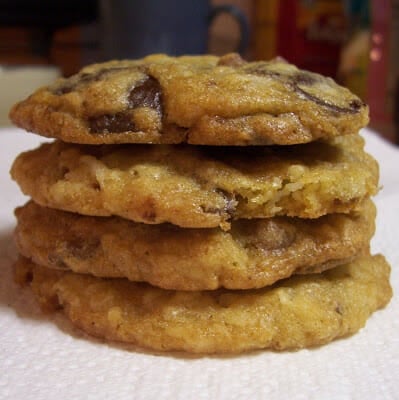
x=193, y=99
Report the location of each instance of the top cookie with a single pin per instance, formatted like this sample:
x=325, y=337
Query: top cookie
x=195, y=99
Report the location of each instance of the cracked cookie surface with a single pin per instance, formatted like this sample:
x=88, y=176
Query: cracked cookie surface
x=195, y=99
x=301, y=311
x=254, y=253
x=199, y=186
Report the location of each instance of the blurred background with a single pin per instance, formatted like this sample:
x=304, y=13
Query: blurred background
x=354, y=41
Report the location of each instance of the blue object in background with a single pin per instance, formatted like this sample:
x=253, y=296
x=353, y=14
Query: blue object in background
x=135, y=28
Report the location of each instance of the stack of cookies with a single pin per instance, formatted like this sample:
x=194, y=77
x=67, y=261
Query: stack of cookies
x=201, y=204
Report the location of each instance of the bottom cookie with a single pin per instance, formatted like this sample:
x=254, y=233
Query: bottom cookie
x=298, y=312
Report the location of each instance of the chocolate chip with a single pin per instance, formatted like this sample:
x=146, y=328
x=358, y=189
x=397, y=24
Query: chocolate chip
x=304, y=78
x=147, y=94
x=269, y=235
x=63, y=89
x=119, y=122
x=339, y=309
x=83, y=249
x=28, y=277
x=308, y=79
x=149, y=213
x=323, y=103
x=261, y=70
x=356, y=104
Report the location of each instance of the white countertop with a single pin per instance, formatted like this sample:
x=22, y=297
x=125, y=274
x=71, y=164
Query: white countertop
x=43, y=357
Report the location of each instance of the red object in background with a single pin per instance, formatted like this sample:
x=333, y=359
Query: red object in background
x=311, y=34
x=378, y=96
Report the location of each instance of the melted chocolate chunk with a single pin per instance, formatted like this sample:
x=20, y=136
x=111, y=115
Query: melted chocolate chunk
x=356, y=104
x=120, y=122
x=323, y=103
x=269, y=235
x=303, y=78
x=307, y=79
x=147, y=94
x=274, y=236
x=67, y=87
x=83, y=249
x=261, y=70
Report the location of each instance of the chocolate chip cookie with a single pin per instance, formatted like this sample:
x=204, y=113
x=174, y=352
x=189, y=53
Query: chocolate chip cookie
x=254, y=253
x=199, y=186
x=194, y=99
x=298, y=312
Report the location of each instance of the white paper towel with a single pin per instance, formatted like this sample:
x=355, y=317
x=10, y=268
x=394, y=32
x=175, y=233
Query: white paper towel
x=43, y=357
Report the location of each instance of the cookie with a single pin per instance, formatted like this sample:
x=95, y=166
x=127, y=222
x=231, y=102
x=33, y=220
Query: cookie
x=299, y=312
x=254, y=253
x=199, y=186
x=194, y=99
